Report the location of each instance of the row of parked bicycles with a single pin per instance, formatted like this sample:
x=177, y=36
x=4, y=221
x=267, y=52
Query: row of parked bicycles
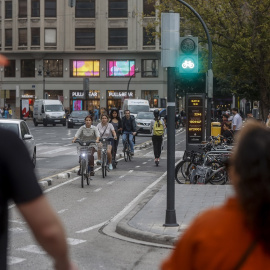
x=206, y=165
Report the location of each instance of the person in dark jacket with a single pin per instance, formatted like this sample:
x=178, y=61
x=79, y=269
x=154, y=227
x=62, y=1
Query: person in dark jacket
x=129, y=129
x=116, y=121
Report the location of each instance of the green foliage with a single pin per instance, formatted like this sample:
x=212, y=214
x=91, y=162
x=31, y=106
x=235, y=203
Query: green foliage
x=240, y=37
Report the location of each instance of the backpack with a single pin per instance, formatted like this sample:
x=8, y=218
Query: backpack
x=158, y=130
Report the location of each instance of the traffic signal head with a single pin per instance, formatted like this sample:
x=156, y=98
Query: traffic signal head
x=188, y=55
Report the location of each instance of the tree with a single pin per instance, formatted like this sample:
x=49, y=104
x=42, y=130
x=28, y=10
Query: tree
x=240, y=36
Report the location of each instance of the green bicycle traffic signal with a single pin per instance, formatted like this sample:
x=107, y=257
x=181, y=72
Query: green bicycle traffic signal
x=188, y=55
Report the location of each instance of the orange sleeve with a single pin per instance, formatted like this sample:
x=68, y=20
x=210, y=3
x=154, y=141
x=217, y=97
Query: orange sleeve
x=183, y=256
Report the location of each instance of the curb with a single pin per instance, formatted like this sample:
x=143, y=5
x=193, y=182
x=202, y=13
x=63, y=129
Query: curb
x=50, y=180
x=123, y=227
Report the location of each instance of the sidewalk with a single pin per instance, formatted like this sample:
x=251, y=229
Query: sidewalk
x=145, y=221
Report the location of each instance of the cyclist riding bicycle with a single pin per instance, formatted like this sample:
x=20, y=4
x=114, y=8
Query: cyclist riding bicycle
x=88, y=132
x=116, y=121
x=129, y=129
x=157, y=128
x=107, y=131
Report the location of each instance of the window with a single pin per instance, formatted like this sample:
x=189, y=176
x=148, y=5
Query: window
x=8, y=9
x=22, y=8
x=120, y=68
x=148, y=38
x=118, y=37
x=118, y=9
x=28, y=68
x=150, y=68
x=35, y=36
x=50, y=37
x=35, y=8
x=148, y=8
x=85, y=37
x=22, y=37
x=50, y=8
x=10, y=69
x=8, y=37
x=85, y=68
x=54, y=67
x=85, y=9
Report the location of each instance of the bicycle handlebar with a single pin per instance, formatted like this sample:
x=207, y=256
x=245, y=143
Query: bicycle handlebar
x=82, y=143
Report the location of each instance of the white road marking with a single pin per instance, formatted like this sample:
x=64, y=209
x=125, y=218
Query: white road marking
x=110, y=183
x=98, y=189
x=149, y=154
x=74, y=242
x=92, y=227
x=138, y=166
x=16, y=230
x=122, y=176
x=16, y=221
x=82, y=199
x=131, y=171
x=150, y=159
x=32, y=249
x=144, y=162
x=14, y=260
x=62, y=211
x=55, y=151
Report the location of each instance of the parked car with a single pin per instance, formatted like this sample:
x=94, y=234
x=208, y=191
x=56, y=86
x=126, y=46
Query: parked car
x=143, y=120
x=76, y=118
x=21, y=128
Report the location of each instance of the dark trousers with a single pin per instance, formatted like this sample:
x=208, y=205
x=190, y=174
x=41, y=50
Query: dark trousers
x=157, y=142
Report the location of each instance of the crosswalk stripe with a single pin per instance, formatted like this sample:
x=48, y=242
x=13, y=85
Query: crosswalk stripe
x=74, y=242
x=32, y=249
x=14, y=260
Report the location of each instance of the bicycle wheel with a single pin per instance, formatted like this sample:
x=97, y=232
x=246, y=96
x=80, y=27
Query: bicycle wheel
x=129, y=153
x=182, y=172
x=87, y=175
x=106, y=165
x=125, y=152
x=103, y=166
x=83, y=171
x=219, y=175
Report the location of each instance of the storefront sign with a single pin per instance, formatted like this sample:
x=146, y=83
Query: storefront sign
x=27, y=96
x=80, y=94
x=120, y=94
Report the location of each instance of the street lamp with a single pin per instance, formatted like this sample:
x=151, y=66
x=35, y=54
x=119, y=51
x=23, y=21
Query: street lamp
x=43, y=71
x=131, y=76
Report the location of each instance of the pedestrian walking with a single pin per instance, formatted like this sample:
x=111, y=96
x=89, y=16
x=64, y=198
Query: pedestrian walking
x=6, y=113
x=10, y=113
x=235, y=235
x=157, y=128
x=237, y=120
x=96, y=113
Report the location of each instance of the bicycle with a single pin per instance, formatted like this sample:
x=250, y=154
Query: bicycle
x=114, y=150
x=83, y=150
x=127, y=148
x=104, y=157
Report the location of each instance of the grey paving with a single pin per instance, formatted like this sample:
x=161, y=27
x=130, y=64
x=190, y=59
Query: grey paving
x=146, y=221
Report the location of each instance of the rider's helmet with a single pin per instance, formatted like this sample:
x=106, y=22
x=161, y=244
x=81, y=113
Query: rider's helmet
x=156, y=113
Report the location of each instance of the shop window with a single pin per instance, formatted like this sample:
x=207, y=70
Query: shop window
x=120, y=68
x=50, y=8
x=8, y=9
x=149, y=36
x=85, y=37
x=53, y=67
x=149, y=68
x=22, y=37
x=10, y=69
x=35, y=36
x=118, y=37
x=85, y=68
x=118, y=9
x=22, y=8
x=50, y=37
x=8, y=37
x=85, y=9
x=28, y=68
x=35, y=8
x=148, y=8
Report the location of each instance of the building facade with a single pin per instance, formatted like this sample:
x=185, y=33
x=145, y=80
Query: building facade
x=102, y=48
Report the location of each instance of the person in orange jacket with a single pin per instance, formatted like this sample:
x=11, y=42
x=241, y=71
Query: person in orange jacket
x=235, y=235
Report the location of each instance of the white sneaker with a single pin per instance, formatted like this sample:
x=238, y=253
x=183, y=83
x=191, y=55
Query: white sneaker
x=98, y=162
x=110, y=167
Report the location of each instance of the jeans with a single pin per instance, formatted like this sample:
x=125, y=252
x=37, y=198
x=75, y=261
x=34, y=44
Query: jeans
x=124, y=137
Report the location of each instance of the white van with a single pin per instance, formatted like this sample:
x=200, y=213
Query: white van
x=136, y=105
x=48, y=111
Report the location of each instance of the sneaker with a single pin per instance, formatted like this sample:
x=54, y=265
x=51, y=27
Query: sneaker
x=132, y=153
x=98, y=162
x=110, y=167
x=92, y=173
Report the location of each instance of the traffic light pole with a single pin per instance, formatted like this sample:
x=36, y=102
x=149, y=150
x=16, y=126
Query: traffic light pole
x=170, y=220
x=209, y=72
